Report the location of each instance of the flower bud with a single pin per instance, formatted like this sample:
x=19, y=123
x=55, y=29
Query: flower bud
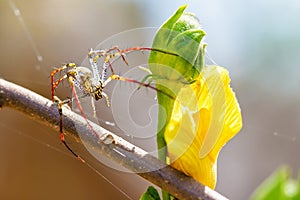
x=180, y=55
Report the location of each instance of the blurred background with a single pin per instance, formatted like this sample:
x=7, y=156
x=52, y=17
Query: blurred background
x=257, y=41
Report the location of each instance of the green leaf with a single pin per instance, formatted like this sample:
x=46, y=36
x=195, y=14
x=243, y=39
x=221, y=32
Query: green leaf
x=150, y=194
x=278, y=186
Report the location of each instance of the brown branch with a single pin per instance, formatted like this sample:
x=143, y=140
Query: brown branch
x=112, y=146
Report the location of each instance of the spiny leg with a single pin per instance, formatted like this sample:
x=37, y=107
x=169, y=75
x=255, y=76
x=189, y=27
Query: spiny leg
x=61, y=135
x=119, y=51
x=60, y=103
x=131, y=49
x=105, y=53
x=122, y=53
x=109, y=54
x=94, y=55
x=117, y=77
x=54, y=84
x=108, y=57
x=106, y=99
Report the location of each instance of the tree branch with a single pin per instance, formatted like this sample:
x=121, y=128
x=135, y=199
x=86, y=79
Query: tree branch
x=112, y=146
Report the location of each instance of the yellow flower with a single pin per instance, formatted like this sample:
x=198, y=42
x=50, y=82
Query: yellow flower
x=206, y=115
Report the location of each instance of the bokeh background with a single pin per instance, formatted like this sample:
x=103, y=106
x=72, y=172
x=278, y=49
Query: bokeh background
x=257, y=41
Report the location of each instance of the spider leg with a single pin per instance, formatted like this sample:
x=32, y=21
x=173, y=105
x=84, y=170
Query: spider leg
x=61, y=135
x=120, y=53
x=60, y=103
x=106, y=98
x=54, y=83
x=120, y=78
x=128, y=50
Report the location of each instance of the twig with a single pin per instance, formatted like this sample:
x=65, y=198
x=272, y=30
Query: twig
x=112, y=146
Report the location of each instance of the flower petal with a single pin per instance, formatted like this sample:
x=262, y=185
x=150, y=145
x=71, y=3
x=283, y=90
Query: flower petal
x=205, y=116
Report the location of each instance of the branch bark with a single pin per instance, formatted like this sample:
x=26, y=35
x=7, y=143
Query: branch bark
x=112, y=146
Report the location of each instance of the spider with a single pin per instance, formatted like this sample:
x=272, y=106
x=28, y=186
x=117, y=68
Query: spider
x=81, y=78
